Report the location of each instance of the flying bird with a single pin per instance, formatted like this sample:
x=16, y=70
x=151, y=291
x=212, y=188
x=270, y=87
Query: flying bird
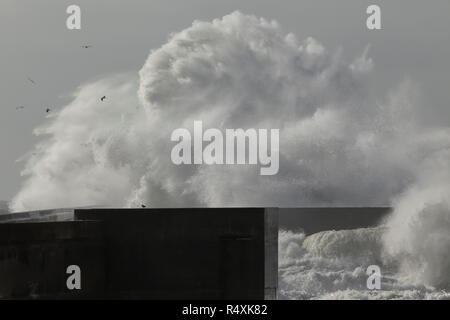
x=103, y=98
x=48, y=110
x=86, y=46
x=143, y=206
x=20, y=107
x=31, y=80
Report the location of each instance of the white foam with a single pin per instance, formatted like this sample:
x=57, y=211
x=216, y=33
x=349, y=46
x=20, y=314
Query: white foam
x=332, y=265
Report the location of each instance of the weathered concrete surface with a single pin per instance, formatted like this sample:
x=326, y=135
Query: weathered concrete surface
x=214, y=253
x=142, y=253
x=34, y=258
x=271, y=253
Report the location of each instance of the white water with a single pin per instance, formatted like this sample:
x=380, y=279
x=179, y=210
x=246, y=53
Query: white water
x=332, y=265
x=339, y=145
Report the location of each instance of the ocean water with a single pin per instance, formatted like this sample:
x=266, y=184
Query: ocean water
x=333, y=264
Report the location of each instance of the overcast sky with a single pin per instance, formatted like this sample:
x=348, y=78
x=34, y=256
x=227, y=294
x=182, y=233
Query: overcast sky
x=35, y=43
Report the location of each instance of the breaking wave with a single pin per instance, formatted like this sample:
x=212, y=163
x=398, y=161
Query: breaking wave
x=333, y=265
x=340, y=144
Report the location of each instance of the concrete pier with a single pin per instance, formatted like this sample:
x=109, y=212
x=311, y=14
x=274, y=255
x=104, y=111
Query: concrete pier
x=184, y=253
x=195, y=253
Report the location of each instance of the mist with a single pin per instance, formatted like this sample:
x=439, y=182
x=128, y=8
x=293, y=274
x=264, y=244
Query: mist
x=340, y=143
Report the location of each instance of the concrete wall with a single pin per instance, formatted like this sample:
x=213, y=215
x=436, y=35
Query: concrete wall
x=34, y=258
x=185, y=253
x=271, y=253
x=143, y=253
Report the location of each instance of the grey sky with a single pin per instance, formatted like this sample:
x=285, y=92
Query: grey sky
x=35, y=43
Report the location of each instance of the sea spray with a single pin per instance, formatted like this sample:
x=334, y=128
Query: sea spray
x=339, y=145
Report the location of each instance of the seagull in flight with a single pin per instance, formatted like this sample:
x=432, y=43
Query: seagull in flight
x=86, y=46
x=20, y=107
x=48, y=110
x=143, y=206
x=103, y=98
x=31, y=80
